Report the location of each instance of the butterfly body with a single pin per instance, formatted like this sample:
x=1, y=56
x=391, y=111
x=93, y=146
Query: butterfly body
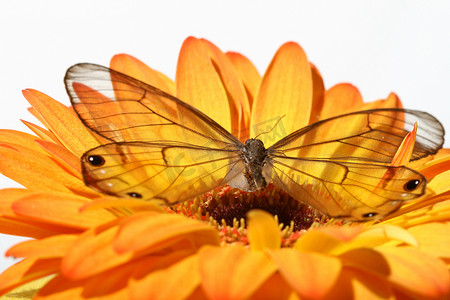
x=256, y=174
x=162, y=148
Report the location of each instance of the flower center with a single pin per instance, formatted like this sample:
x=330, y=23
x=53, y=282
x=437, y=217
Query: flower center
x=229, y=204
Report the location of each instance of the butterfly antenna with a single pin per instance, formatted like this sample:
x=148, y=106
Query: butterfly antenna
x=271, y=129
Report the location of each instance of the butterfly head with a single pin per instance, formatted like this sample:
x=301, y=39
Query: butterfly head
x=255, y=152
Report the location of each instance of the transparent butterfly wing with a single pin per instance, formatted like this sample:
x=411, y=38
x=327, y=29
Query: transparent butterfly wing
x=170, y=172
x=123, y=109
x=341, y=165
x=371, y=136
x=161, y=147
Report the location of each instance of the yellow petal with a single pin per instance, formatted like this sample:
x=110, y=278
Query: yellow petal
x=162, y=230
x=380, y=234
x=247, y=72
x=62, y=122
x=326, y=239
x=233, y=272
x=312, y=275
x=199, y=84
x=432, y=209
x=440, y=182
x=285, y=92
x=135, y=68
x=263, y=231
x=435, y=167
x=318, y=94
x=340, y=99
x=433, y=238
x=417, y=273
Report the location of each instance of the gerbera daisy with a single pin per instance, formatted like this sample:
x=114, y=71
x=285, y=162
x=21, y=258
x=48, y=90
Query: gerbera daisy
x=224, y=244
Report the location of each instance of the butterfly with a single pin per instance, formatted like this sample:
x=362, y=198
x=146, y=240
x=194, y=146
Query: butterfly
x=163, y=149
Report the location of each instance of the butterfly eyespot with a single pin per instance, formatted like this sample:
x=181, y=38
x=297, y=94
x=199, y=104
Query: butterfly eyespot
x=369, y=215
x=411, y=185
x=134, y=195
x=96, y=160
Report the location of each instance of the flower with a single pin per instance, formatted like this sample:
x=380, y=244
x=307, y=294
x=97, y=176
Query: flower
x=89, y=245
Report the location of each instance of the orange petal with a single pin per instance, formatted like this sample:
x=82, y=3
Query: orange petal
x=66, y=158
x=312, y=275
x=433, y=238
x=405, y=150
x=263, y=231
x=35, y=170
x=51, y=247
x=8, y=197
x=135, y=68
x=392, y=101
x=41, y=132
x=93, y=253
x=20, y=138
x=354, y=284
x=275, y=288
x=161, y=230
x=175, y=282
x=432, y=209
x=247, y=72
x=62, y=122
x=237, y=96
x=416, y=272
x=23, y=227
x=128, y=203
x=25, y=290
x=326, y=239
x=233, y=272
x=340, y=99
x=109, y=285
x=435, y=167
x=285, y=92
x=199, y=83
x=61, y=209
x=27, y=270
x=318, y=94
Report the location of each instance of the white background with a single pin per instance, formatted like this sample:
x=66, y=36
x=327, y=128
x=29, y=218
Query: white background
x=379, y=46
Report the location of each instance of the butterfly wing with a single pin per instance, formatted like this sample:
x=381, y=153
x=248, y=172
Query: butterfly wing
x=171, y=172
x=341, y=165
x=157, y=141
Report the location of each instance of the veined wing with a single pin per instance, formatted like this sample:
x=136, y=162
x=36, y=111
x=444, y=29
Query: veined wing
x=355, y=191
x=162, y=148
x=365, y=136
x=123, y=109
x=341, y=165
x=171, y=172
